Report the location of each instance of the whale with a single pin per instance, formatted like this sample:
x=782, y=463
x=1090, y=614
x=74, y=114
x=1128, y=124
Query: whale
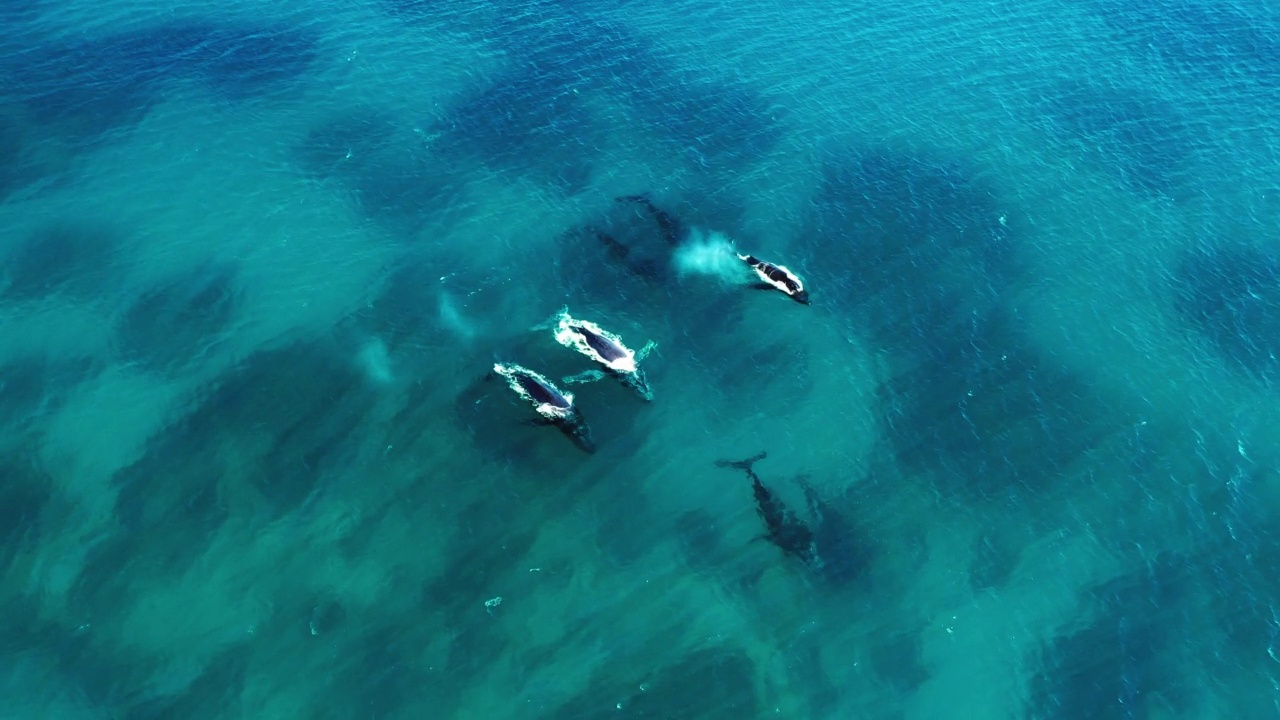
x=667, y=225
x=784, y=528
x=648, y=265
x=830, y=545
x=606, y=349
x=647, y=268
x=776, y=277
x=553, y=405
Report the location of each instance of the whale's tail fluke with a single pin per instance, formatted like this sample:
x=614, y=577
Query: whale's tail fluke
x=745, y=465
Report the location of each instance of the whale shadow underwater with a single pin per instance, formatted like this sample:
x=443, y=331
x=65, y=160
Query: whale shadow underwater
x=827, y=543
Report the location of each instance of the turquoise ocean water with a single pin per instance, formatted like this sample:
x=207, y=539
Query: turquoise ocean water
x=257, y=258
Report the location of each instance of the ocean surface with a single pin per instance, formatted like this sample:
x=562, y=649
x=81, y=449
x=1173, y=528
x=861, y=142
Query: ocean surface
x=258, y=258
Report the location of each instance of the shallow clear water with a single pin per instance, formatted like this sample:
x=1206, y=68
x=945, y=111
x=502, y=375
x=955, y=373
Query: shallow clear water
x=256, y=263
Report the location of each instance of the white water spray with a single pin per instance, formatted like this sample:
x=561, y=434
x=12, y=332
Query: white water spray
x=452, y=320
x=709, y=253
x=375, y=361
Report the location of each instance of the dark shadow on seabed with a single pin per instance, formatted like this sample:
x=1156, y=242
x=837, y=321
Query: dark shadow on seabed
x=931, y=278
x=61, y=97
x=180, y=321
x=385, y=168
x=568, y=65
x=1147, y=143
x=1228, y=291
x=1116, y=666
x=1220, y=43
x=296, y=410
x=79, y=257
x=123, y=70
x=34, y=386
x=1185, y=627
x=265, y=442
x=714, y=122
x=26, y=495
x=528, y=122
x=542, y=115
x=1173, y=616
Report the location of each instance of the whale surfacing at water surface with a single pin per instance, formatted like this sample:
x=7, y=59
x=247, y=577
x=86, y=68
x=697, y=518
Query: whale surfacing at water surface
x=777, y=277
x=553, y=405
x=605, y=348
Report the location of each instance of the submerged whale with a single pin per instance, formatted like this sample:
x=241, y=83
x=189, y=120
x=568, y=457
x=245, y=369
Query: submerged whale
x=668, y=225
x=776, y=277
x=647, y=263
x=554, y=406
x=648, y=268
x=830, y=545
x=784, y=528
x=605, y=348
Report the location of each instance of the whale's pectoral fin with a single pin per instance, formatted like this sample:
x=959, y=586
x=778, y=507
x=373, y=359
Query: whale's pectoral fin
x=644, y=351
x=482, y=381
x=810, y=495
x=815, y=506
x=786, y=516
x=761, y=286
x=583, y=377
x=551, y=321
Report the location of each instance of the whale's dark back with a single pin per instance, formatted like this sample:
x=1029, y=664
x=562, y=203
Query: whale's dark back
x=607, y=349
x=785, y=529
x=541, y=392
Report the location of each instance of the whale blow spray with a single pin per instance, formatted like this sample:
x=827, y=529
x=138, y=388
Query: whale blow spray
x=709, y=253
